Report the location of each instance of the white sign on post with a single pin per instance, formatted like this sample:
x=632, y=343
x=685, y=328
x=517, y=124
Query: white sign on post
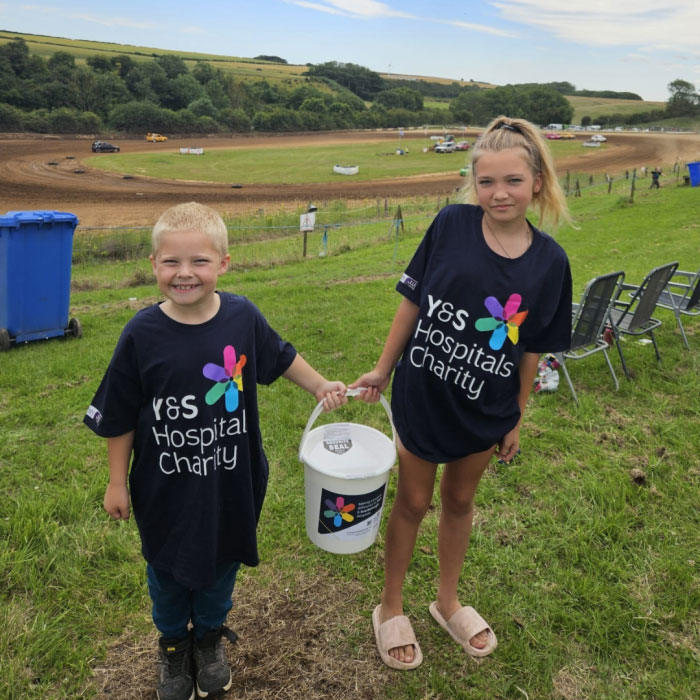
x=307, y=221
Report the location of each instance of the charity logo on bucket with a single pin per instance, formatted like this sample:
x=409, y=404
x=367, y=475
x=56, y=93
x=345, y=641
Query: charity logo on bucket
x=340, y=512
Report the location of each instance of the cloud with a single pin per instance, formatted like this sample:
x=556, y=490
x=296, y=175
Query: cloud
x=647, y=24
x=480, y=28
x=112, y=21
x=94, y=19
x=359, y=9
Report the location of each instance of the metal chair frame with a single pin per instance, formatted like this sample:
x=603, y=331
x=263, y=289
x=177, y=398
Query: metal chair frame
x=589, y=319
x=634, y=317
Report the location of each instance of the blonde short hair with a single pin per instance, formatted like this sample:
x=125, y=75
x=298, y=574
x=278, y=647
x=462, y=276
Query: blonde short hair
x=192, y=216
x=503, y=133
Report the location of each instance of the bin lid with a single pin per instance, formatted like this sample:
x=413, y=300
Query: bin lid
x=16, y=219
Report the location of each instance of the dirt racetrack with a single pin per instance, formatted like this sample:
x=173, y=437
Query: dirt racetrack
x=40, y=173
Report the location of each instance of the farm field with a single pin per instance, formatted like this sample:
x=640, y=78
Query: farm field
x=243, y=68
x=596, y=106
x=586, y=569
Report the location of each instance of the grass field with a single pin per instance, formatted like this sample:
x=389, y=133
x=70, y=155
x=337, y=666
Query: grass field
x=597, y=106
x=298, y=165
x=590, y=579
x=246, y=69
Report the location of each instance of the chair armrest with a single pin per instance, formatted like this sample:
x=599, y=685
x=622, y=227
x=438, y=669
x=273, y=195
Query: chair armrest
x=684, y=273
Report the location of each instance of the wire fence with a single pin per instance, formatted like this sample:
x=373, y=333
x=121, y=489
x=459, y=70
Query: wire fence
x=268, y=239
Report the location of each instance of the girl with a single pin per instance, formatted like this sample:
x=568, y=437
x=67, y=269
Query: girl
x=485, y=293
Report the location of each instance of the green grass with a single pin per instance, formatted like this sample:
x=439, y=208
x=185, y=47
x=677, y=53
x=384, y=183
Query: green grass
x=597, y=106
x=246, y=69
x=591, y=581
x=298, y=165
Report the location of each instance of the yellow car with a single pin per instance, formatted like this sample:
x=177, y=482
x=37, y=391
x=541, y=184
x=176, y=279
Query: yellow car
x=567, y=135
x=155, y=137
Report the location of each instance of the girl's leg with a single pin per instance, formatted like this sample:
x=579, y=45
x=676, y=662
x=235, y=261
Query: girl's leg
x=414, y=493
x=457, y=489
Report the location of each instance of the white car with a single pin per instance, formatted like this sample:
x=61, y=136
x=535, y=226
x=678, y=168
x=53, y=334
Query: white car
x=598, y=137
x=446, y=147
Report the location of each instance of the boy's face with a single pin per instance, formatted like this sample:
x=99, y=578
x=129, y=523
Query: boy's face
x=187, y=266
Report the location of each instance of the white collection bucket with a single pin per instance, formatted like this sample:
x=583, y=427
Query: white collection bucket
x=346, y=469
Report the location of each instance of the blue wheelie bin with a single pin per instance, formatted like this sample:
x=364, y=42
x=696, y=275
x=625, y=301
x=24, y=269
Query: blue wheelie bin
x=36, y=248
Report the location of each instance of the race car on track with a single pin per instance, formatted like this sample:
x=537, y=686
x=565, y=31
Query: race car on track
x=104, y=147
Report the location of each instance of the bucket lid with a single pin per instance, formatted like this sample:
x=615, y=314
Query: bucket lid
x=348, y=451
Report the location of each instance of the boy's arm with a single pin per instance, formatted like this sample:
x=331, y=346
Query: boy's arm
x=304, y=375
x=116, y=501
x=401, y=329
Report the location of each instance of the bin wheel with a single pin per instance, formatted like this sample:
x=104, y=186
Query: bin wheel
x=4, y=339
x=75, y=328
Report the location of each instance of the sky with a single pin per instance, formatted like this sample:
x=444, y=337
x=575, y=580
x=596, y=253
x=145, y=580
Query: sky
x=635, y=46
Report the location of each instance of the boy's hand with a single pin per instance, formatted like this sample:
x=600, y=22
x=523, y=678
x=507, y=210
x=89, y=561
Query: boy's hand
x=116, y=501
x=332, y=394
x=375, y=382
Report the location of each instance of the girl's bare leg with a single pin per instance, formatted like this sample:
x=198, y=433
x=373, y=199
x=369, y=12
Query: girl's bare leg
x=414, y=493
x=457, y=489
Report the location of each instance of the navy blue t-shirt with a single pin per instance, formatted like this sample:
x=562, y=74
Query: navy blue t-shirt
x=455, y=390
x=199, y=473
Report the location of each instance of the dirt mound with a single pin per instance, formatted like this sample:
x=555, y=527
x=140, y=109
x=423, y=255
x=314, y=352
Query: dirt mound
x=49, y=173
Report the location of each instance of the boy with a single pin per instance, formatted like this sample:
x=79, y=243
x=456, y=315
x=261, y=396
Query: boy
x=179, y=396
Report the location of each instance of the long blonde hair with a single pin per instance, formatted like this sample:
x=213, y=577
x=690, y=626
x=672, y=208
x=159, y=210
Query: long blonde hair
x=502, y=133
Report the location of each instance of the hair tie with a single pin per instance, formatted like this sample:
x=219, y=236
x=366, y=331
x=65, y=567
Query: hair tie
x=510, y=127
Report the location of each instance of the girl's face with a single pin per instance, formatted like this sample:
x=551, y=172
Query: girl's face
x=505, y=185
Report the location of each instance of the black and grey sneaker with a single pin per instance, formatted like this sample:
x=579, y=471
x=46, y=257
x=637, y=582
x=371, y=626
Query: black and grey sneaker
x=213, y=670
x=175, y=669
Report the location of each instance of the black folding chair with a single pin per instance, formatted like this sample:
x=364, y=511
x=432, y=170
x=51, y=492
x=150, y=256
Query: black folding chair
x=590, y=316
x=634, y=317
x=682, y=297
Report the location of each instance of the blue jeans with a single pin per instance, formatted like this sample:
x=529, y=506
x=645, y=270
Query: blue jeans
x=174, y=605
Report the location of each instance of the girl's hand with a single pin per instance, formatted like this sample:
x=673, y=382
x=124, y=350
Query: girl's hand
x=509, y=445
x=116, y=501
x=332, y=394
x=375, y=382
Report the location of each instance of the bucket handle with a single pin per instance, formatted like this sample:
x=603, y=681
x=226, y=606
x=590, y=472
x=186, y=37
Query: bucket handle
x=350, y=392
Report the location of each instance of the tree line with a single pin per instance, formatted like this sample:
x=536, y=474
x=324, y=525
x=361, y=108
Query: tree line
x=118, y=93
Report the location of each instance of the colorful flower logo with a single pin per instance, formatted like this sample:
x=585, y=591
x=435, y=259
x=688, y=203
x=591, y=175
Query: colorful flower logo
x=229, y=380
x=339, y=511
x=504, y=322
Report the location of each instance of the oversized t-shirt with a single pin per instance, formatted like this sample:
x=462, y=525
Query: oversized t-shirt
x=199, y=473
x=455, y=390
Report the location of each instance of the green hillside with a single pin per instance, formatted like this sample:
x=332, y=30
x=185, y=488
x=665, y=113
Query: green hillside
x=242, y=68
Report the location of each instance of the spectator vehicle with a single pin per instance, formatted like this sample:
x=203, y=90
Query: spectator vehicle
x=104, y=147
x=155, y=137
x=446, y=147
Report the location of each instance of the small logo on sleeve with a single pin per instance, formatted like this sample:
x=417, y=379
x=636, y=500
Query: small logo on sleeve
x=94, y=414
x=409, y=281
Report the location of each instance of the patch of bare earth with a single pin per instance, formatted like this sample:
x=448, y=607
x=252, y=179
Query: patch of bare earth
x=296, y=642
